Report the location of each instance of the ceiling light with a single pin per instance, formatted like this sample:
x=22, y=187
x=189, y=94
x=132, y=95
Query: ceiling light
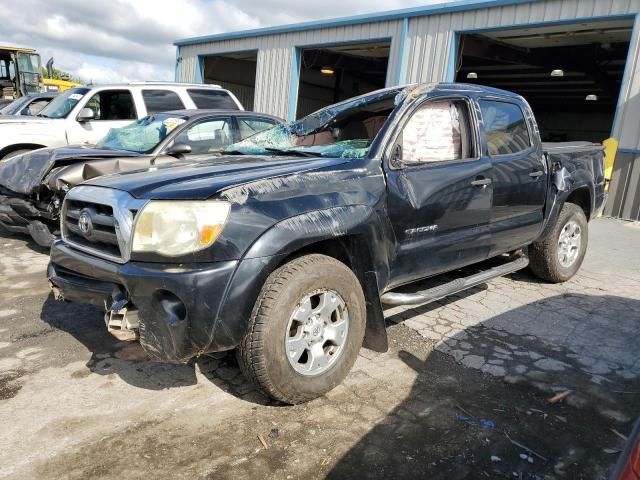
x=557, y=73
x=326, y=71
x=591, y=98
x=472, y=75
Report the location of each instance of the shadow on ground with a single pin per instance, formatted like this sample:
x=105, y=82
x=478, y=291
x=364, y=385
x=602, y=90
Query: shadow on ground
x=129, y=362
x=470, y=427
x=28, y=241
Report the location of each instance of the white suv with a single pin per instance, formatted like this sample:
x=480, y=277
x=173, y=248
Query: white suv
x=85, y=114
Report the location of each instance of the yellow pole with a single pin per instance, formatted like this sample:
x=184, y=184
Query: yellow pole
x=610, y=149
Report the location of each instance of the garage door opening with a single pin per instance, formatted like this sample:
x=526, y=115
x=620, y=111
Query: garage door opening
x=570, y=74
x=235, y=72
x=329, y=75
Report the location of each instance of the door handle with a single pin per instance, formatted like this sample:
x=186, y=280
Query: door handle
x=481, y=182
x=536, y=174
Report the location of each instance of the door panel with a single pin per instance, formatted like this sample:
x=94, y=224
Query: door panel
x=519, y=176
x=440, y=219
x=439, y=208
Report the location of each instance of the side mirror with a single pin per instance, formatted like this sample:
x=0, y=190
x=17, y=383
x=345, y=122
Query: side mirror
x=178, y=149
x=86, y=115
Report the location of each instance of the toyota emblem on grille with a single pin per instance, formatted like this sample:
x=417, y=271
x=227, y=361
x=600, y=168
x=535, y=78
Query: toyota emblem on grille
x=84, y=223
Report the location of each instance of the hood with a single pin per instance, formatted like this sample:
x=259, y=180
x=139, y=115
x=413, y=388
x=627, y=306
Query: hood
x=24, y=174
x=199, y=181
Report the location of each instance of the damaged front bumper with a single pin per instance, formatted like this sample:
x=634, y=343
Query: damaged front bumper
x=21, y=216
x=177, y=305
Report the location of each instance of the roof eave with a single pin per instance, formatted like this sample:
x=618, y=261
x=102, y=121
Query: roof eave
x=436, y=9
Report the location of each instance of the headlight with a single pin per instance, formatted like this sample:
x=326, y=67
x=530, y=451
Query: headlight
x=175, y=228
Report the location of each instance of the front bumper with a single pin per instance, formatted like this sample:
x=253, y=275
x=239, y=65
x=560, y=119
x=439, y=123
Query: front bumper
x=178, y=305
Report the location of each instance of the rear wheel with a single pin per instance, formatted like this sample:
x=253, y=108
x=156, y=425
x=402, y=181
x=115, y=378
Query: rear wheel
x=306, y=329
x=560, y=255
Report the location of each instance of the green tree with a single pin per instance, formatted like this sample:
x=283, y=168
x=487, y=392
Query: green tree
x=60, y=75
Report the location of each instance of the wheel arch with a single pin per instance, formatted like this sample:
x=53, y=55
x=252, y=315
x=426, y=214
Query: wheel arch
x=19, y=146
x=344, y=233
x=583, y=198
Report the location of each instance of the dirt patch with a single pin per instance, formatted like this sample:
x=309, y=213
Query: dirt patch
x=9, y=387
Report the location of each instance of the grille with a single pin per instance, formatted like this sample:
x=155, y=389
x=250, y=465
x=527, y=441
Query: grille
x=92, y=226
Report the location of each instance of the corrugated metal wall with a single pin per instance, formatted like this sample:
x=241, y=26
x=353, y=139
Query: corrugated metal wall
x=624, y=193
x=275, y=57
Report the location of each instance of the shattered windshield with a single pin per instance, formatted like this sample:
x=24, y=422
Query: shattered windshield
x=142, y=136
x=62, y=104
x=346, y=130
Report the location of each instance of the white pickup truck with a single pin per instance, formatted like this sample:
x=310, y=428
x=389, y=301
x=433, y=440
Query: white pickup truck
x=85, y=114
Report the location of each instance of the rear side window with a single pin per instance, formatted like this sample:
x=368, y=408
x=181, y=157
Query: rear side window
x=505, y=128
x=205, y=98
x=158, y=101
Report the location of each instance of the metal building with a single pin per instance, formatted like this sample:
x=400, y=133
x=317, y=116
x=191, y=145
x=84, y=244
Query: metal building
x=576, y=61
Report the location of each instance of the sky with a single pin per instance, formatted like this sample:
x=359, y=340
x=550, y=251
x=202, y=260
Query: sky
x=127, y=40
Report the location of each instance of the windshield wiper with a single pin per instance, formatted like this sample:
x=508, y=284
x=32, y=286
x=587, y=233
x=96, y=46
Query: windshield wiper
x=232, y=152
x=298, y=153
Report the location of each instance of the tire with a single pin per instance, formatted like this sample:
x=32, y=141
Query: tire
x=15, y=153
x=262, y=353
x=553, y=263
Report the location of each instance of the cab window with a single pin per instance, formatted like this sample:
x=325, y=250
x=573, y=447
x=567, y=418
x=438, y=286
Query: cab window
x=112, y=105
x=438, y=131
x=505, y=128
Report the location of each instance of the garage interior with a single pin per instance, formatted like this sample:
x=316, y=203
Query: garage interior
x=235, y=72
x=570, y=74
x=331, y=74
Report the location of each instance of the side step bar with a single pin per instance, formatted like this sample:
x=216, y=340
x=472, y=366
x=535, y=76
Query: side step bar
x=441, y=291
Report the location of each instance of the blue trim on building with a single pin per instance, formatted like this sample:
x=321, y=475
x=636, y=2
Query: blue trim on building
x=198, y=76
x=549, y=23
x=634, y=151
x=453, y=58
x=295, y=83
x=176, y=72
x=364, y=41
x=402, y=57
x=437, y=9
x=627, y=71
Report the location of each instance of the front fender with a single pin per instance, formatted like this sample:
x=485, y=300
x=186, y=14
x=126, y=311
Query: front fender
x=270, y=250
x=296, y=232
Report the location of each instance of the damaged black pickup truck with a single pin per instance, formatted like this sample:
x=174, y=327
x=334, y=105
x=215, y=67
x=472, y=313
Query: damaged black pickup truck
x=286, y=249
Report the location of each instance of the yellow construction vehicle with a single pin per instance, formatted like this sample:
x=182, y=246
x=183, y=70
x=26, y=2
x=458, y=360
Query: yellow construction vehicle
x=55, y=85
x=20, y=72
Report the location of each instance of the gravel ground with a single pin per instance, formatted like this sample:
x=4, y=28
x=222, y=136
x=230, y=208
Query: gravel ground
x=463, y=380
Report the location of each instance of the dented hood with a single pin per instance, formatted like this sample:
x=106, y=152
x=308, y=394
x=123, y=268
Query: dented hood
x=25, y=174
x=199, y=181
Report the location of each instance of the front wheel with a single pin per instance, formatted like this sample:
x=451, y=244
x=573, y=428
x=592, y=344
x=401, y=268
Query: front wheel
x=557, y=258
x=305, y=331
